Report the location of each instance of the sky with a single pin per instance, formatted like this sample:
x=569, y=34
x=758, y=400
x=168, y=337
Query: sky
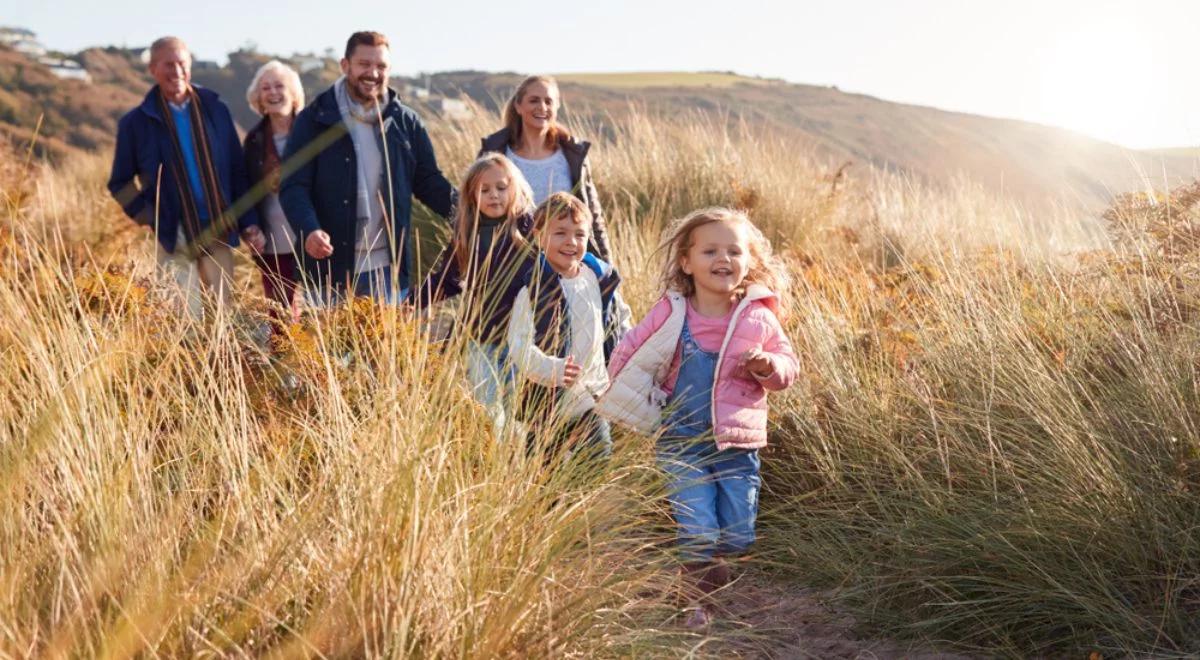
x=1121, y=71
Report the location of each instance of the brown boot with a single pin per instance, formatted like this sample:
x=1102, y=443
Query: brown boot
x=717, y=577
x=691, y=578
x=694, y=594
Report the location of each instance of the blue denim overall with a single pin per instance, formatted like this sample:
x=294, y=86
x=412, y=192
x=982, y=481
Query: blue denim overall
x=713, y=493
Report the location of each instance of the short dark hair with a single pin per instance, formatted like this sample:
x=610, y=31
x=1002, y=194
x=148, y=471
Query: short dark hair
x=365, y=39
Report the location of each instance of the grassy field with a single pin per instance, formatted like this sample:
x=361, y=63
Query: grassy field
x=994, y=445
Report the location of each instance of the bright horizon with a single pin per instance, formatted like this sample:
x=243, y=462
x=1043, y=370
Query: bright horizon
x=1105, y=68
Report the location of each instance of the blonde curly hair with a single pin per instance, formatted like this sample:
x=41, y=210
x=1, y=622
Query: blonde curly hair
x=765, y=268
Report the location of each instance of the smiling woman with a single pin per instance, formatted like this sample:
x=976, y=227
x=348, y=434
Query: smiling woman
x=277, y=95
x=1103, y=79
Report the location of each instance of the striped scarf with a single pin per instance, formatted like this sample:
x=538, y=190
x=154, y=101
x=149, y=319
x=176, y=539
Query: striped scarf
x=220, y=220
x=272, y=162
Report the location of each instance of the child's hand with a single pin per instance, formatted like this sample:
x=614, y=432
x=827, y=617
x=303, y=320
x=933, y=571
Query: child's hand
x=755, y=363
x=571, y=371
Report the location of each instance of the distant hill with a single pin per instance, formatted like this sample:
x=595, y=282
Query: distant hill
x=73, y=114
x=1030, y=162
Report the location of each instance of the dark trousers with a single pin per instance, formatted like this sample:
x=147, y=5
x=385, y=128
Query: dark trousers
x=280, y=278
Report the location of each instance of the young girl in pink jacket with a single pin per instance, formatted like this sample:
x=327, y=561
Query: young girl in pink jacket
x=696, y=371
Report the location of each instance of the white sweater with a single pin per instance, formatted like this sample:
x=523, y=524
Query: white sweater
x=582, y=294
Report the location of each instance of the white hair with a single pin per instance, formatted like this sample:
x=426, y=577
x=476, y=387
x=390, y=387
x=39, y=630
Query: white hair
x=168, y=42
x=290, y=78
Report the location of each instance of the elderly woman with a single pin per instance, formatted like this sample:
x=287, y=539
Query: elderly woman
x=276, y=94
x=551, y=159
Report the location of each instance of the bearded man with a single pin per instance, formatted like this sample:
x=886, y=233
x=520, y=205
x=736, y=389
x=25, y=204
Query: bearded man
x=354, y=162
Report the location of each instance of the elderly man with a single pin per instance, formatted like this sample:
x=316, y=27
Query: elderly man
x=179, y=169
x=360, y=157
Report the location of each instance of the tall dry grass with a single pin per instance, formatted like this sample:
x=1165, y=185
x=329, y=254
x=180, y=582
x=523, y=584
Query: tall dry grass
x=170, y=489
x=994, y=444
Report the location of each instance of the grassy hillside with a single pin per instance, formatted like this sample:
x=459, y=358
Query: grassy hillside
x=1033, y=164
x=994, y=443
x=67, y=115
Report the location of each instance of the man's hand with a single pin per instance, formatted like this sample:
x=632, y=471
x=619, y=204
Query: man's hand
x=254, y=238
x=317, y=245
x=571, y=371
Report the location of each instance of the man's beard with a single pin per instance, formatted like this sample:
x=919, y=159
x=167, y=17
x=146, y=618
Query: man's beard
x=364, y=95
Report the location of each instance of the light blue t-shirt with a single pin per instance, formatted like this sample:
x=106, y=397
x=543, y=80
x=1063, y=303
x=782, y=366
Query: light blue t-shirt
x=546, y=175
x=183, y=128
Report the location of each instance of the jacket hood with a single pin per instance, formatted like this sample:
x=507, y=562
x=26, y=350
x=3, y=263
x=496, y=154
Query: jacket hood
x=763, y=294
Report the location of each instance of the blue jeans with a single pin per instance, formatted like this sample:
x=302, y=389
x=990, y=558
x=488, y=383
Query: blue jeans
x=376, y=284
x=491, y=376
x=713, y=494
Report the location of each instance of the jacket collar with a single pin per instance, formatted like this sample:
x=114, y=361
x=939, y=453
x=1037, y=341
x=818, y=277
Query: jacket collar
x=597, y=265
x=499, y=140
x=149, y=104
x=326, y=111
x=759, y=292
x=260, y=129
x=753, y=292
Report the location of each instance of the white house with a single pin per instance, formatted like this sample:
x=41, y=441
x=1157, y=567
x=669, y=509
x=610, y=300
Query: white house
x=415, y=92
x=22, y=40
x=306, y=63
x=66, y=69
x=453, y=109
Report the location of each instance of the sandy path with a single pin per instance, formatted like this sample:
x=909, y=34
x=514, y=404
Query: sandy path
x=766, y=619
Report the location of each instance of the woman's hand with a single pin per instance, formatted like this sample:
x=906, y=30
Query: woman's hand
x=254, y=238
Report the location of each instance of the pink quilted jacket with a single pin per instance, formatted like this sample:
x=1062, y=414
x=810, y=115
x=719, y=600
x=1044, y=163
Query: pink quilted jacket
x=645, y=363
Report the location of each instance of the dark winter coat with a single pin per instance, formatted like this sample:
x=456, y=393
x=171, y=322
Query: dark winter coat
x=320, y=184
x=143, y=152
x=492, y=292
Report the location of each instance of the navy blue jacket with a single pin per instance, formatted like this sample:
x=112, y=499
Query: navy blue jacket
x=320, y=183
x=493, y=290
x=144, y=147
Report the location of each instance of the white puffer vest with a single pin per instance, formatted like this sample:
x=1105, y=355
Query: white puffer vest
x=635, y=396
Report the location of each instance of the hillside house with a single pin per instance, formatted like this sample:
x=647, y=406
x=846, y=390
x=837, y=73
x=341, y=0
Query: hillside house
x=66, y=69
x=415, y=92
x=306, y=63
x=22, y=40
x=453, y=109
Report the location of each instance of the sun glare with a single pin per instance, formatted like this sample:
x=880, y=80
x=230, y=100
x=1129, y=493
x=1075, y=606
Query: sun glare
x=1102, y=79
